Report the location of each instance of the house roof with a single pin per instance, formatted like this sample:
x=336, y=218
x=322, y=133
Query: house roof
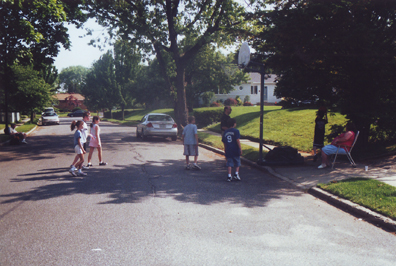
x=256, y=78
x=63, y=96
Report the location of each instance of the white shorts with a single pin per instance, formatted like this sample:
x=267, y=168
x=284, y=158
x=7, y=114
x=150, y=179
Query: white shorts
x=78, y=150
x=190, y=150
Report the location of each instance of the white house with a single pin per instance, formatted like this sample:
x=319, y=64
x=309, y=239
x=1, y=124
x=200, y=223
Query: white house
x=252, y=89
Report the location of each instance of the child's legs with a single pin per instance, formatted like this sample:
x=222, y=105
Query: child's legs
x=187, y=159
x=75, y=160
x=80, y=162
x=195, y=159
x=229, y=170
x=91, y=150
x=100, y=154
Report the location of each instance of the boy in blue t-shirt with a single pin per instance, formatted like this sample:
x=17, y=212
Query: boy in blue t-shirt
x=232, y=148
x=190, y=141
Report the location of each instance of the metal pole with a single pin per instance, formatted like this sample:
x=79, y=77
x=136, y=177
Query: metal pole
x=261, y=116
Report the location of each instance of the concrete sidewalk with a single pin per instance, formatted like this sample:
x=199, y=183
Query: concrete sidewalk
x=307, y=176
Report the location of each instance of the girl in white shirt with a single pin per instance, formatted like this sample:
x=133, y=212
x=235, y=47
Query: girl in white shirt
x=95, y=141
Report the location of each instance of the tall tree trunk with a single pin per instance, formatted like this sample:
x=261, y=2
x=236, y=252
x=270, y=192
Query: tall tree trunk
x=182, y=111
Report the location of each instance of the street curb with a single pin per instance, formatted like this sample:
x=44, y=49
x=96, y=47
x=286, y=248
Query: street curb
x=368, y=215
x=343, y=204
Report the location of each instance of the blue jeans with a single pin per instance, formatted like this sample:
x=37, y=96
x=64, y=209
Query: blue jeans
x=331, y=149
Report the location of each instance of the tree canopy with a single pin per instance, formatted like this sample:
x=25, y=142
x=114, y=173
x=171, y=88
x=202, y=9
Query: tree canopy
x=160, y=26
x=340, y=51
x=73, y=78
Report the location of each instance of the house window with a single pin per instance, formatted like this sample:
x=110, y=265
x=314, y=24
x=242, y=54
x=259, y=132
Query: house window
x=240, y=87
x=265, y=93
x=253, y=90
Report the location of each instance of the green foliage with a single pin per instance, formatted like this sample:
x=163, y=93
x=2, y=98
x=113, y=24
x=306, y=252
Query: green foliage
x=207, y=117
x=73, y=78
x=30, y=91
x=246, y=99
x=340, y=51
x=375, y=195
x=239, y=101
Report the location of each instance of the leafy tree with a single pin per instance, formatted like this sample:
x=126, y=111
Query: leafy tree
x=32, y=93
x=341, y=51
x=32, y=31
x=159, y=26
x=101, y=89
x=127, y=65
x=73, y=78
x=211, y=71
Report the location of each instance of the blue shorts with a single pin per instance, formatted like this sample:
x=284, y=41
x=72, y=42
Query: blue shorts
x=331, y=149
x=234, y=161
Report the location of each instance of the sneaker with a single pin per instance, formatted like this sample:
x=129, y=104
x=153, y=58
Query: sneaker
x=71, y=171
x=229, y=178
x=196, y=167
x=89, y=165
x=24, y=141
x=102, y=163
x=322, y=166
x=73, y=168
x=81, y=174
x=85, y=167
x=237, y=177
x=188, y=167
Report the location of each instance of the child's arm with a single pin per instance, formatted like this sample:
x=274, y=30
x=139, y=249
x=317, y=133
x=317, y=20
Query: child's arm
x=97, y=135
x=239, y=145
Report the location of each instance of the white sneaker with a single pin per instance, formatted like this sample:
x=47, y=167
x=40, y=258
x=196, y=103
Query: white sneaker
x=237, y=177
x=85, y=167
x=73, y=168
x=195, y=166
x=81, y=174
x=71, y=171
x=322, y=166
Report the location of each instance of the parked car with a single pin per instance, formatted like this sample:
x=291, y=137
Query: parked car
x=49, y=118
x=76, y=113
x=156, y=124
x=48, y=109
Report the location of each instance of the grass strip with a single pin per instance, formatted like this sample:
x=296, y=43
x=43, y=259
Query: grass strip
x=370, y=193
x=248, y=152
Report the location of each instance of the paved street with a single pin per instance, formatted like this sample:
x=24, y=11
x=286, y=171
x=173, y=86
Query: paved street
x=143, y=208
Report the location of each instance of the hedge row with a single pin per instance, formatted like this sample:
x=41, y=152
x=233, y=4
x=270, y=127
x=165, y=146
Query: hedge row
x=117, y=114
x=205, y=118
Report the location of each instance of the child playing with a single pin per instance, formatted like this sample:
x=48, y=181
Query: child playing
x=84, y=135
x=78, y=147
x=95, y=141
x=320, y=122
x=232, y=149
x=190, y=141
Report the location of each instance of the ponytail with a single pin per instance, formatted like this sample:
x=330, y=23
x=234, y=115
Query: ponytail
x=75, y=124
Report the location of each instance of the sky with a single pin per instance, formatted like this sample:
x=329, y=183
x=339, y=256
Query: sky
x=80, y=54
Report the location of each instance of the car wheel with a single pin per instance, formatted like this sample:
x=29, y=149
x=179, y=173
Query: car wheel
x=71, y=115
x=44, y=124
x=144, y=137
x=137, y=133
x=174, y=138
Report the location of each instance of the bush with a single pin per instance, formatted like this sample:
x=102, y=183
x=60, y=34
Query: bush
x=205, y=118
x=215, y=104
x=239, y=101
x=247, y=104
x=246, y=99
x=230, y=102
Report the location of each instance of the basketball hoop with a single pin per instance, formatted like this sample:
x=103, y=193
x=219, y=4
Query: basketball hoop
x=244, y=56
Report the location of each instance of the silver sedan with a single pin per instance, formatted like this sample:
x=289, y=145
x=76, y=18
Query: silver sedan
x=49, y=118
x=156, y=124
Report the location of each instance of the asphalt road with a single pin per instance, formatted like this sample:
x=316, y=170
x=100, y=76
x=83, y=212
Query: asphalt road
x=143, y=208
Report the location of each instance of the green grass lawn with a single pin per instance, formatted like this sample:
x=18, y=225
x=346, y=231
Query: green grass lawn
x=292, y=127
x=375, y=195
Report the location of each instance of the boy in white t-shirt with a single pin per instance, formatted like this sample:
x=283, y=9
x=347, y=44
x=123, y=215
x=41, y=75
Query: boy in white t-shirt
x=190, y=141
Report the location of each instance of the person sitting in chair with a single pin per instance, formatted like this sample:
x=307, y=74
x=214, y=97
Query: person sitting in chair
x=342, y=143
x=15, y=135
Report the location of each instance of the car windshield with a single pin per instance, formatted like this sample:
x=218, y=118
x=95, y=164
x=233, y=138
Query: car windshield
x=159, y=118
x=49, y=114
